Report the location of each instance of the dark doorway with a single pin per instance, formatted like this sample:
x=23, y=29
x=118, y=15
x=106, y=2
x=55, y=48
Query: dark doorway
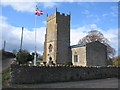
x=50, y=58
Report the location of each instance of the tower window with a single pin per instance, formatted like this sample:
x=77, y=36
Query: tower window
x=75, y=58
x=50, y=58
x=50, y=48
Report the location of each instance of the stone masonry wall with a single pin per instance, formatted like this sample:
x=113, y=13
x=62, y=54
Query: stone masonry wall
x=96, y=54
x=57, y=35
x=31, y=74
x=81, y=52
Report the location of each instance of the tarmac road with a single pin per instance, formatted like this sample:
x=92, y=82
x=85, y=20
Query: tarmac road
x=99, y=83
x=6, y=63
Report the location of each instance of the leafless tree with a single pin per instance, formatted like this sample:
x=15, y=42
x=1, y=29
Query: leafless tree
x=96, y=35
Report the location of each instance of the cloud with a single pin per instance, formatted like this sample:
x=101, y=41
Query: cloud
x=22, y=6
x=93, y=17
x=79, y=33
x=114, y=8
x=61, y=0
x=3, y=19
x=105, y=14
x=85, y=12
x=44, y=22
x=93, y=26
x=113, y=12
x=49, y=4
x=110, y=34
x=12, y=36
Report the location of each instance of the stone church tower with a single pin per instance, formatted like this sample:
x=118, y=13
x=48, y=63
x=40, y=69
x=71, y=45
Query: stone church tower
x=57, y=39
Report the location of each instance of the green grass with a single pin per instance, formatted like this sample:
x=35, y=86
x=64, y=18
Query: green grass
x=0, y=79
x=5, y=75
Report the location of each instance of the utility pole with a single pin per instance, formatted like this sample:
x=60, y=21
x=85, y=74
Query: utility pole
x=4, y=45
x=21, y=39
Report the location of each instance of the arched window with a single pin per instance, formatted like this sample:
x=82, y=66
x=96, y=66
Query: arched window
x=50, y=48
x=75, y=53
x=75, y=57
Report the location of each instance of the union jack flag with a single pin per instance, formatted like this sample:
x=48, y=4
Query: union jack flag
x=38, y=12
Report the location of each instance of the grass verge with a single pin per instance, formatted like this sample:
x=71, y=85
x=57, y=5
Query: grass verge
x=5, y=76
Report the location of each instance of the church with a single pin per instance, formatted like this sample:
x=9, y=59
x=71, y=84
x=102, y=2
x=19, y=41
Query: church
x=57, y=47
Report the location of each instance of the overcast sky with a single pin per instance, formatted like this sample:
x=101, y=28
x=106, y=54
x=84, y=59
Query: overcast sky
x=85, y=16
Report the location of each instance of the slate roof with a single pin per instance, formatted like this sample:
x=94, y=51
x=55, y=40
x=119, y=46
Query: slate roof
x=78, y=45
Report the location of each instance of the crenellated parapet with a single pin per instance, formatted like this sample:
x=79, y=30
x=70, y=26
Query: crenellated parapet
x=57, y=14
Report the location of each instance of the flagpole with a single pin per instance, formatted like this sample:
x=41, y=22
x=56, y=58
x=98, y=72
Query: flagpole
x=38, y=12
x=35, y=40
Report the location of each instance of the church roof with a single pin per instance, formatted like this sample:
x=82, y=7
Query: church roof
x=78, y=45
x=81, y=45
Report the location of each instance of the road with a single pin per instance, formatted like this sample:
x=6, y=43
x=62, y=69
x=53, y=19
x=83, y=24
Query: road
x=6, y=63
x=100, y=83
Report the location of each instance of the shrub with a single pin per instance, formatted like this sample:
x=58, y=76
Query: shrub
x=5, y=75
x=116, y=61
x=23, y=57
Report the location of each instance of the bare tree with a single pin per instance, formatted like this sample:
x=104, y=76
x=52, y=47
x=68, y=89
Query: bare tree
x=95, y=35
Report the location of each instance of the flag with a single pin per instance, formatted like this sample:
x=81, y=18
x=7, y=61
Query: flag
x=38, y=12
